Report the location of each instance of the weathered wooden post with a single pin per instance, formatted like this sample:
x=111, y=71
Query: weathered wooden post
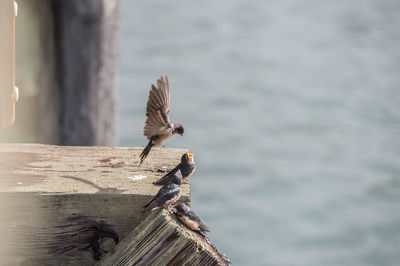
x=162, y=240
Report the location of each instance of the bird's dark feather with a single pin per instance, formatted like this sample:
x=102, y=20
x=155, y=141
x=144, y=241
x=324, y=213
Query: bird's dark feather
x=167, y=177
x=146, y=150
x=187, y=169
x=192, y=216
x=166, y=193
x=157, y=109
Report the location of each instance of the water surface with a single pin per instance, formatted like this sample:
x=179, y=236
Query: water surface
x=292, y=111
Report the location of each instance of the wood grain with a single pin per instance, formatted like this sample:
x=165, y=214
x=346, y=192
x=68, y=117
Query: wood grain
x=162, y=240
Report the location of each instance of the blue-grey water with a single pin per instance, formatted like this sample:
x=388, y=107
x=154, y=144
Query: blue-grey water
x=292, y=109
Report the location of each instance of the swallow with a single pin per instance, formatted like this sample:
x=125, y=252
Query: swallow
x=186, y=167
x=167, y=195
x=190, y=219
x=158, y=128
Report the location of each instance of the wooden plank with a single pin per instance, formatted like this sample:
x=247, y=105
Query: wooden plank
x=7, y=63
x=43, y=188
x=162, y=240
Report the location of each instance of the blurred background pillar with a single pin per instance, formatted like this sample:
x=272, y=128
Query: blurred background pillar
x=66, y=70
x=86, y=40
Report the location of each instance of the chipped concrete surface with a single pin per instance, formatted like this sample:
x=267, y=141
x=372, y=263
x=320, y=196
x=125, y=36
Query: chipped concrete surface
x=42, y=185
x=66, y=169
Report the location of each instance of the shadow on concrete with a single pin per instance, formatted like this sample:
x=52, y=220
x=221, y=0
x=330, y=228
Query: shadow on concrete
x=100, y=189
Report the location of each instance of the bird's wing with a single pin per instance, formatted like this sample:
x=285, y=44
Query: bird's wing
x=150, y=205
x=203, y=227
x=157, y=110
x=167, y=177
x=192, y=216
x=167, y=193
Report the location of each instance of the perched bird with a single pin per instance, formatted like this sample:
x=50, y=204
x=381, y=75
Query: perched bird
x=190, y=219
x=167, y=195
x=158, y=129
x=186, y=166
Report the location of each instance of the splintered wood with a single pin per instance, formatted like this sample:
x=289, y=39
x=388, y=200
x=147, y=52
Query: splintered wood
x=162, y=240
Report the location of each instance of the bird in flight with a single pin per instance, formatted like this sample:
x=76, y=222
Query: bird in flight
x=158, y=128
x=186, y=166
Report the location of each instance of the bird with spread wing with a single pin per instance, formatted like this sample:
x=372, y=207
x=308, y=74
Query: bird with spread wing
x=158, y=128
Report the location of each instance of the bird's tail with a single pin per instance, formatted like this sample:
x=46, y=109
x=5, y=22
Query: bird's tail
x=203, y=227
x=167, y=178
x=146, y=151
x=149, y=206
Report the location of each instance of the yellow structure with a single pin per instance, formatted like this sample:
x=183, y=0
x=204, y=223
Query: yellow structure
x=8, y=91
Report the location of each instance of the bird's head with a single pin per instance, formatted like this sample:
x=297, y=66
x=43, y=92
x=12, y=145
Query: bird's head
x=179, y=129
x=187, y=158
x=181, y=209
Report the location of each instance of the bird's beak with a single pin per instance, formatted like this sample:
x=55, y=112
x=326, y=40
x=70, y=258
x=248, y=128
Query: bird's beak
x=190, y=155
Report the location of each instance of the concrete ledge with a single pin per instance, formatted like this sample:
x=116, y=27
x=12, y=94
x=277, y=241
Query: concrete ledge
x=55, y=200
x=162, y=240
x=76, y=169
